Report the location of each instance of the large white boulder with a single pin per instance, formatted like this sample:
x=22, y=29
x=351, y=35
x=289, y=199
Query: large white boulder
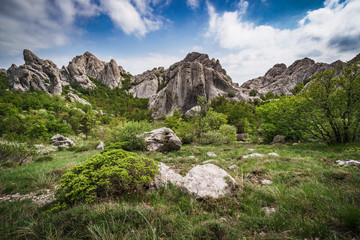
x=165, y=176
x=207, y=181
x=162, y=139
x=60, y=140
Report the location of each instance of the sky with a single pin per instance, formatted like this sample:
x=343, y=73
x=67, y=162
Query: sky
x=247, y=36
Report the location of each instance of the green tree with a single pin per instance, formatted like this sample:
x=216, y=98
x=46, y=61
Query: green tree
x=89, y=122
x=332, y=105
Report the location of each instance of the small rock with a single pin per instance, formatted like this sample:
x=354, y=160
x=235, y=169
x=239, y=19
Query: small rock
x=233, y=167
x=266, y=182
x=278, y=139
x=211, y=154
x=191, y=157
x=348, y=163
x=268, y=210
x=208, y=161
x=60, y=140
x=101, y=146
x=222, y=219
x=253, y=155
x=251, y=149
x=274, y=154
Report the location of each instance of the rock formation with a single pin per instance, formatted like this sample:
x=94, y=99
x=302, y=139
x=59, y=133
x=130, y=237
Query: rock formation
x=281, y=79
x=60, y=140
x=148, y=83
x=184, y=82
x=35, y=74
x=39, y=74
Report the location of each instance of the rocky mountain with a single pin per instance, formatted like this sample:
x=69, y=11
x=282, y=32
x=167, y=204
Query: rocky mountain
x=44, y=75
x=179, y=86
x=281, y=79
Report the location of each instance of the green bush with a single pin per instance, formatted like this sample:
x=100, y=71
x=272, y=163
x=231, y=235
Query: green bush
x=128, y=134
x=253, y=93
x=186, y=131
x=211, y=137
x=228, y=132
x=105, y=175
x=14, y=152
x=45, y=158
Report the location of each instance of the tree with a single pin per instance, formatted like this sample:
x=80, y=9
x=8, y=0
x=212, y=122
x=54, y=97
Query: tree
x=200, y=116
x=332, y=105
x=89, y=122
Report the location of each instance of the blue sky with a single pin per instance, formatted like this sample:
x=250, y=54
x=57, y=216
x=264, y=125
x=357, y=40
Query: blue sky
x=247, y=36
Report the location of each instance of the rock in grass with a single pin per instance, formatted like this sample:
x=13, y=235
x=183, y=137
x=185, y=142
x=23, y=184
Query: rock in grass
x=348, y=163
x=60, y=140
x=253, y=155
x=165, y=176
x=266, y=182
x=211, y=154
x=162, y=139
x=207, y=181
x=274, y=154
x=268, y=210
x=100, y=146
x=278, y=139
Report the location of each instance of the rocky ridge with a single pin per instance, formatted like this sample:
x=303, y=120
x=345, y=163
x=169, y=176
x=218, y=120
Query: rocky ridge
x=39, y=74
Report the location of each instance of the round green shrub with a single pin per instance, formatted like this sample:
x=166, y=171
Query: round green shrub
x=44, y=158
x=129, y=134
x=105, y=175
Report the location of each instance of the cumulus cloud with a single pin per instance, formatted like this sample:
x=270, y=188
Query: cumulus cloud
x=193, y=4
x=41, y=24
x=326, y=34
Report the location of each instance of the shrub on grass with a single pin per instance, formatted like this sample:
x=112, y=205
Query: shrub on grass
x=105, y=175
x=228, y=132
x=129, y=134
x=45, y=158
x=14, y=152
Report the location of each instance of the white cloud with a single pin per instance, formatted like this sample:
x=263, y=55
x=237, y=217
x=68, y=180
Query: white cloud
x=325, y=34
x=243, y=5
x=193, y=4
x=41, y=24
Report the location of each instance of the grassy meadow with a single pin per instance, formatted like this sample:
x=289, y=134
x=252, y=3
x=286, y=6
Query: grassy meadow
x=313, y=198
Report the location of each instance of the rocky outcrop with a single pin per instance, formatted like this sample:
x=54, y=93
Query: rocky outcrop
x=207, y=181
x=36, y=73
x=281, y=79
x=162, y=139
x=86, y=65
x=39, y=74
x=60, y=140
x=76, y=99
x=148, y=83
x=196, y=75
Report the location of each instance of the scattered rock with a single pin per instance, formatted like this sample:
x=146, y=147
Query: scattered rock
x=100, y=146
x=266, y=182
x=191, y=157
x=278, y=139
x=253, y=155
x=60, y=140
x=268, y=210
x=242, y=136
x=76, y=99
x=207, y=181
x=211, y=154
x=274, y=154
x=251, y=149
x=162, y=139
x=40, y=199
x=165, y=176
x=348, y=163
x=233, y=167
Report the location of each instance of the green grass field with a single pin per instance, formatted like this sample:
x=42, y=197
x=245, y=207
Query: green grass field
x=313, y=198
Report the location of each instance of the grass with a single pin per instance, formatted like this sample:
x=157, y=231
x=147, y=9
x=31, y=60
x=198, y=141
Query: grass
x=312, y=196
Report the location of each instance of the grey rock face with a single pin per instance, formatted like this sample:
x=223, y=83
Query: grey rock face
x=2, y=70
x=281, y=79
x=60, y=140
x=147, y=83
x=35, y=74
x=185, y=81
x=207, y=181
x=162, y=139
x=86, y=65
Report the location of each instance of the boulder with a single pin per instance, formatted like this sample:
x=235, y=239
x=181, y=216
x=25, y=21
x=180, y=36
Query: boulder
x=242, y=136
x=210, y=154
x=60, y=140
x=162, y=139
x=253, y=155
x=274, y=154
x=76, y=99
x=278, y=139
x=165, y=176
x=348, y=163
x=207, y=181
x=192, y=111
x=100, y=146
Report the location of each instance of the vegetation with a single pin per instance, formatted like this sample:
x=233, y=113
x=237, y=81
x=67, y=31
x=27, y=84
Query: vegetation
x=105, y=175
